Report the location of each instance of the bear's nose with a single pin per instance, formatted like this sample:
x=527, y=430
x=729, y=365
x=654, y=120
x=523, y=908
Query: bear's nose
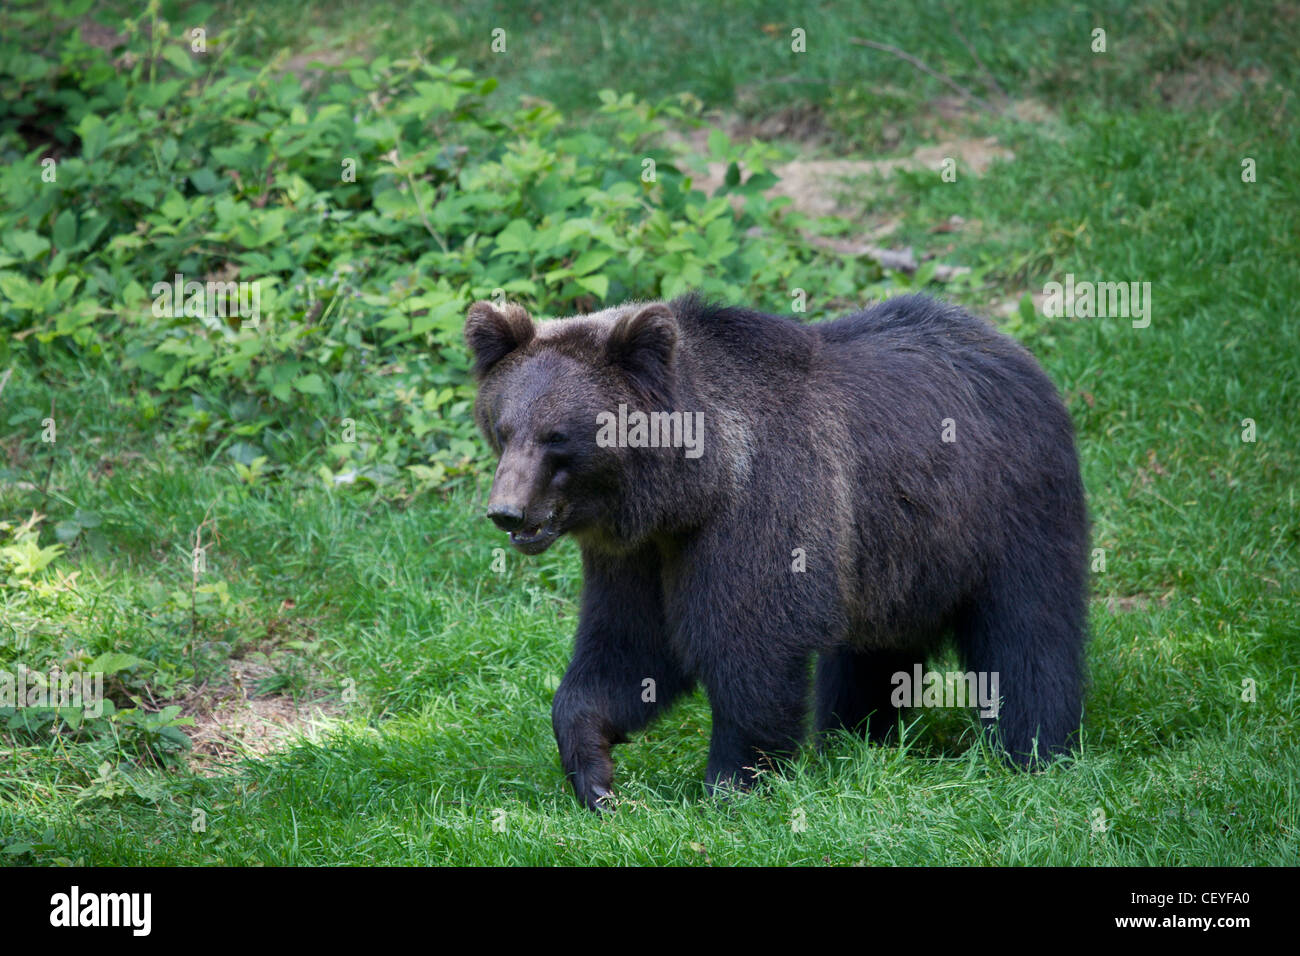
x=506, y=517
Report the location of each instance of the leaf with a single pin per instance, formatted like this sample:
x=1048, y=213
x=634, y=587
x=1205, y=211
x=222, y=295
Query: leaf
x=243, y=453
x=19, y=290
x=94, y=136
x=310, y=384
x=515, y=237
x=65, y=229
x=426, y=474
x=204, y=180
x=234, y=157
x=597, y=285
x=175, y=208
x=271, y=227
x=591, y=260
x=180, y=58
x=114, y=661
x=176, y=737
x=1026, y=309
x=29, y=244
x=719, y=143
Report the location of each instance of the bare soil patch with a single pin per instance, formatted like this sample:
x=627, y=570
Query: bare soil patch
x=233, y=721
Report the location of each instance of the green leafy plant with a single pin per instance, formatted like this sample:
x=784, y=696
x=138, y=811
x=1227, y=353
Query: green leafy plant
x=367, y=206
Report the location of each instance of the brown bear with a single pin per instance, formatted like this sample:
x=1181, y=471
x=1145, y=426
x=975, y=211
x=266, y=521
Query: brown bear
x=749, y=492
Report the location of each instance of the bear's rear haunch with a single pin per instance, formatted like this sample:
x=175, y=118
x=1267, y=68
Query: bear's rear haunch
x=748, y=492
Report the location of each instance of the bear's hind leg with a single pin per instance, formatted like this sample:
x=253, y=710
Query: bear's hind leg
x=1028, y=626
x=854, y=690
x=759, y=713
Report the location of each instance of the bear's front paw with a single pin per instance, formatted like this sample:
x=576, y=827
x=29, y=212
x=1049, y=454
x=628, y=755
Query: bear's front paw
x=599, y=798
x=584, y=743
x=594, y=790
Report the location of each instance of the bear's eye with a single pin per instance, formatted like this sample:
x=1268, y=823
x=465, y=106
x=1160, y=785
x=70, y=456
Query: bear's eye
x=554, y=438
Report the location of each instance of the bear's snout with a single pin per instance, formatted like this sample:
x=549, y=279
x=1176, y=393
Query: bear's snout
x=522, y=503
x=514, y=488
x=506, y=517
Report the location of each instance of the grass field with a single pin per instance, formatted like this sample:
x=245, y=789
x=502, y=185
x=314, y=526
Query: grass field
x=434, y=672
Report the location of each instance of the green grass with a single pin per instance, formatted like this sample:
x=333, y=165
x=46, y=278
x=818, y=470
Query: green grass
x=454, y=665
x=739, y=55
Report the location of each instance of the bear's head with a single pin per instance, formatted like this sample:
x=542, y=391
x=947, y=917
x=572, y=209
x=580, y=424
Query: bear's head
x=543, y=389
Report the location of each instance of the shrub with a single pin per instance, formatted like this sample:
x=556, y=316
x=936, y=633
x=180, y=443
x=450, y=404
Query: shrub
x=365, y=206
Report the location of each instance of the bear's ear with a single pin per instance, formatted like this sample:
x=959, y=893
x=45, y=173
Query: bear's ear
x=493, y=333
x=641, y=345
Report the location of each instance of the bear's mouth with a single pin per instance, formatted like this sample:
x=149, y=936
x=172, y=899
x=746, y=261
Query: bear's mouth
x=536, y=538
